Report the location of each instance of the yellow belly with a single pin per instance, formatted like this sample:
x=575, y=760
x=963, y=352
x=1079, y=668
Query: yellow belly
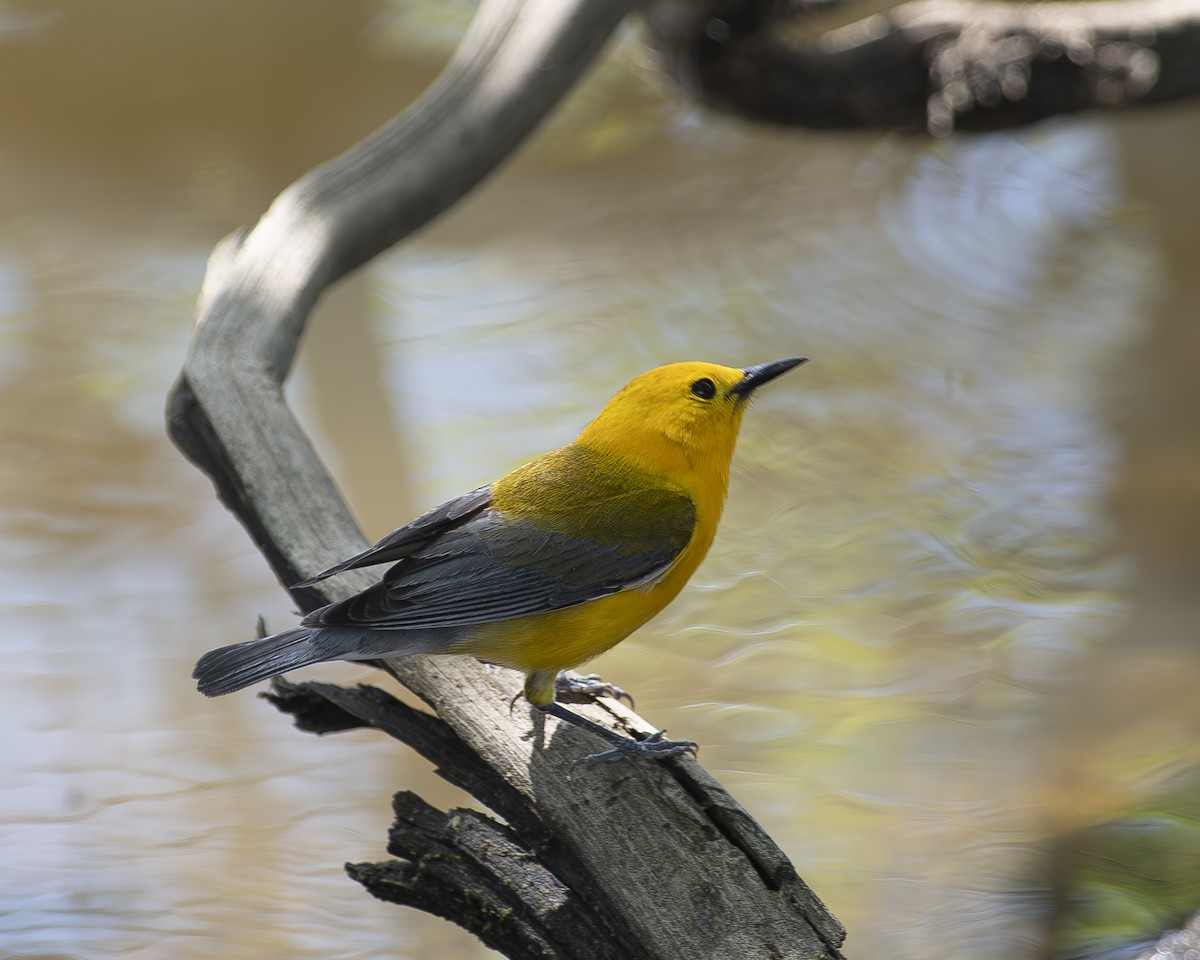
x=566, y=638
x=562, y=639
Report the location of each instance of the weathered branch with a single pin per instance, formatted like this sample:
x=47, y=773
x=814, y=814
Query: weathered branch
x=514, y=885
x=655, y=859
x=936, y=65
x=322, y=708
x=470, y=869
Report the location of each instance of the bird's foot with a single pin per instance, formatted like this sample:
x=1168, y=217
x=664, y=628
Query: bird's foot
x=587, y=686
x=653, y=747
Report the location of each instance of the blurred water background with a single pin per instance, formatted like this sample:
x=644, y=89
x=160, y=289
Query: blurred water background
x=949, y=624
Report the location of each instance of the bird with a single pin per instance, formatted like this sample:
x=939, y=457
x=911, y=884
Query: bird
x=552, y=564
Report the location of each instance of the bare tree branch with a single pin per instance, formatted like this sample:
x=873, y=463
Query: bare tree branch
x=513, y=884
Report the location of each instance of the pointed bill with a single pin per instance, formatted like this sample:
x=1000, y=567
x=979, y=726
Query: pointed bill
x=755, y=376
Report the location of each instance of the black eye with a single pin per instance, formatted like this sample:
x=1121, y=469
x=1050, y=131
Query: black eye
x=704, y=388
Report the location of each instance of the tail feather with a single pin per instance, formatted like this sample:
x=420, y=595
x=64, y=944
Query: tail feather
x=239, y=665
x=230, y=668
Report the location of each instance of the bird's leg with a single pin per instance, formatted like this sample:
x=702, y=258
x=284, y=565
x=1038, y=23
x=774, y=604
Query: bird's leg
x=654, y=747
x=587, y=685
x=576, y=688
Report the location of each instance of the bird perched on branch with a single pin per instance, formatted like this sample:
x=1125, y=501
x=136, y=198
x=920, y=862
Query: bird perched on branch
x=550, y=565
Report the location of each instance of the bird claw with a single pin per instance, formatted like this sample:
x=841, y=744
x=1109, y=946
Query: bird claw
x=653, y=747
x=589, y=686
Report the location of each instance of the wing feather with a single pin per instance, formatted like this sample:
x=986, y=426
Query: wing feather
x=489, y=567
x=402, y=542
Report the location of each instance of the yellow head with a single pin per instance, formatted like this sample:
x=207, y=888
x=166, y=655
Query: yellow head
x=681, y=420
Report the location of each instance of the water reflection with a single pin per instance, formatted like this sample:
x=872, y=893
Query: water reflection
x=916, y=563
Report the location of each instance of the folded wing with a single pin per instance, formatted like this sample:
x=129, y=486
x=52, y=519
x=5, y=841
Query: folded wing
x=467, y=563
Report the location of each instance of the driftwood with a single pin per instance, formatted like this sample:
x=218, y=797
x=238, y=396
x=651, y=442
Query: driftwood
x=622, y=861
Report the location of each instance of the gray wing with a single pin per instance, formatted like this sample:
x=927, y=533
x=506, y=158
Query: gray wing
x=402, y=542
x=490, y=568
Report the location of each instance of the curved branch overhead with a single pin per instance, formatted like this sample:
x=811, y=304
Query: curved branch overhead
x=631, y=855
x=651, y=860
x=935, y=65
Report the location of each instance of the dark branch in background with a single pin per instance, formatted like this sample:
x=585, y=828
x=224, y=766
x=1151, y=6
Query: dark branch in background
x=935, y=65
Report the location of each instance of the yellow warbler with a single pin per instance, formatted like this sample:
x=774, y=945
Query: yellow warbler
x=549, y=566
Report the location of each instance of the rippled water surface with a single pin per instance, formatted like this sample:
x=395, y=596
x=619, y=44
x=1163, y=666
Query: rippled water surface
x=948, y=619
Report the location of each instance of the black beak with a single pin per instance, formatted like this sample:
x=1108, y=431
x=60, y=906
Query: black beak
x=754, y=377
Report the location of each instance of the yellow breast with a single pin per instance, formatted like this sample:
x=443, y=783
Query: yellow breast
x=562, y=639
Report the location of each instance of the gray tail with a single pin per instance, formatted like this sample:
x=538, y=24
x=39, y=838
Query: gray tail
x=230, y=668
